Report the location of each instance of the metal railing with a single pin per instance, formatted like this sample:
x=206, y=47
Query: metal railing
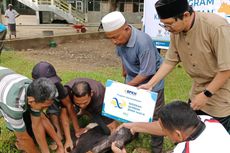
x=62, y=5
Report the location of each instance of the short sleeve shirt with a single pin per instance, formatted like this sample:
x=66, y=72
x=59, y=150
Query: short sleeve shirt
x=13, y=98
x=140, y=57
x=11, y=14
x=95, y=106
x=204, y=50
x=213, y=139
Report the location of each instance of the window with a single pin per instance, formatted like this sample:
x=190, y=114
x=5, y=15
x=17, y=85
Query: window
x=79, y=6
x=97, y=5
x=94, y=5
x=141, y=7
x=135, y=7
x=121, y=7
x=90, y=5
x=130, y=5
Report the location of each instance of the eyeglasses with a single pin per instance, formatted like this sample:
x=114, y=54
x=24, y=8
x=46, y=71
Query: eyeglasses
x=167, y=26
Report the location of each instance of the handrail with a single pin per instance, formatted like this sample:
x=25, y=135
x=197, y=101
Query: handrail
x=73, y=11
x=65, y=7
x=62, y=5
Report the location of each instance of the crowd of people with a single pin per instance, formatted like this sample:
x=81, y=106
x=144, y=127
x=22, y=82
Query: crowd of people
x=198, y=40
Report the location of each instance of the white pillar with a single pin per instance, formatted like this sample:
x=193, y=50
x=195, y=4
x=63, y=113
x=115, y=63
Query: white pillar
x=86, y=10
x=70, y=9
x=37, y=17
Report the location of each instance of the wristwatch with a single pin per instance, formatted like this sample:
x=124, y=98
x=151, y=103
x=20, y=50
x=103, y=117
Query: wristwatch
x=207, y=93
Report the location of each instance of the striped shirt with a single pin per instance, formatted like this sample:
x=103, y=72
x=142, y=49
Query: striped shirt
x=13, y=98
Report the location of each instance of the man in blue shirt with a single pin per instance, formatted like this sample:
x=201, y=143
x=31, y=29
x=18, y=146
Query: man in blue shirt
x=140, y=58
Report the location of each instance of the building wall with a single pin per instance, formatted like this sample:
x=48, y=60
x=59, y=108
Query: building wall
x=132, y=18
x=104, y=7
x=126, y=7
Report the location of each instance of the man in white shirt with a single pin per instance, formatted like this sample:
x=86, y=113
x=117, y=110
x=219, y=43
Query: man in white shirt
x=194, y=134
x=11, y=15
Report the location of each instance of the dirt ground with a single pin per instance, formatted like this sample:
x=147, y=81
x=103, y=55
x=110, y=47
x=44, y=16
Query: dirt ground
x=81, y=55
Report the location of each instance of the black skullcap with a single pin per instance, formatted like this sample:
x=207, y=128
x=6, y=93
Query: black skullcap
x=170, y=8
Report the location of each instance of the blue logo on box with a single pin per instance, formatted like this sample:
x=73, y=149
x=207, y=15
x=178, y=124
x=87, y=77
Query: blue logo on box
x=118, y=104
x=131, y=92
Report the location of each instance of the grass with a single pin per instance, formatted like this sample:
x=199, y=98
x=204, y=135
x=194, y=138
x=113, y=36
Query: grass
x=177, y=85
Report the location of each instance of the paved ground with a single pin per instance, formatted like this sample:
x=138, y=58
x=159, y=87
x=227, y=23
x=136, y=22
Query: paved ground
x=32, y=31
x=27, y=27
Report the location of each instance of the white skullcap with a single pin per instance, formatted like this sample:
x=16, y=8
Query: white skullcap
x=112, y=21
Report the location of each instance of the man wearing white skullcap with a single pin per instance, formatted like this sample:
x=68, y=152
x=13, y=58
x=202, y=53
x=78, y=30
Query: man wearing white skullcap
x=140, y=58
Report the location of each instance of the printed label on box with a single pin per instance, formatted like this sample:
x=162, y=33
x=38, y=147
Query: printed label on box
x=126, y=103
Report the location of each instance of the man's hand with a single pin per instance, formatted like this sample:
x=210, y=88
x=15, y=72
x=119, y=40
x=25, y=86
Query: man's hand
x=115, y=149
x=113, y=126
x=60, y=149
x=199, y=101
x=128, y=126
x=25, y=142
x=80, y=132
x=68, y=146
x=124, y=73
x=145, y=86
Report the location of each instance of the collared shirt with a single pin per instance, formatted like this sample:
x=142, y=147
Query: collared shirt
x=96, y=103
x=140, y=57
x=13, y=98
x=11, y=14
x=204, y=50
x=213, y=139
